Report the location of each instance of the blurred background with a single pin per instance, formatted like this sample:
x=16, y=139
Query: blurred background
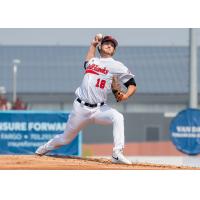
x=41, y=68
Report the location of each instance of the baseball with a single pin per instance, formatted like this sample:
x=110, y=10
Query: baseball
x=99, y=36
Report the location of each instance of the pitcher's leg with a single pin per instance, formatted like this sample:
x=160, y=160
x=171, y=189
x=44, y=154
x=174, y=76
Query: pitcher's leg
x=73, y=126
x=106, y=116
x=77, y=120
x=118, y=131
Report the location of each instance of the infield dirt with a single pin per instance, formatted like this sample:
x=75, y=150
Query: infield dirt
x=33, y=162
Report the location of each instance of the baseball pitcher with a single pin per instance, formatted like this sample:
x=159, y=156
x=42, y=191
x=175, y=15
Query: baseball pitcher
x=102, y=75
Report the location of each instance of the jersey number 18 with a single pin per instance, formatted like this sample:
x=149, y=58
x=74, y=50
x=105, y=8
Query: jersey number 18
x=101, y=83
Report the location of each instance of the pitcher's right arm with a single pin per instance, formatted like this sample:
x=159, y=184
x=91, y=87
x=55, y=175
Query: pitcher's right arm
x=92, y=49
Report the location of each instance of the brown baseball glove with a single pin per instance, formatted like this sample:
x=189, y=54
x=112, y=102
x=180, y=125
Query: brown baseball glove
x=116, y=89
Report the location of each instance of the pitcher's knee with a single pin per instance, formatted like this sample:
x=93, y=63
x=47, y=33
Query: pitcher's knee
x=118, y=117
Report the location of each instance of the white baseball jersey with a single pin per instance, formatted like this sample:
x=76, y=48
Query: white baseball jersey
x=97, y=80
x=94, y=88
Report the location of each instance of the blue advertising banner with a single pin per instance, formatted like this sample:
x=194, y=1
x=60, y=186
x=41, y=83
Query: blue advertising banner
x=185, y=131
x=22, y=132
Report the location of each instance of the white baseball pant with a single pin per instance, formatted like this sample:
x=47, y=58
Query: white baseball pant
x=82, y=116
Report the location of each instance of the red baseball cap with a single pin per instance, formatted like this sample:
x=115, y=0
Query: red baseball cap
x=111, y=39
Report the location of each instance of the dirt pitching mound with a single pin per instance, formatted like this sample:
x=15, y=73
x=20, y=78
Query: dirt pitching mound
x=33, y=162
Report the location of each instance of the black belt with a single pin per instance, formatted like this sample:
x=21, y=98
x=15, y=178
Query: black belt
x=90, y=105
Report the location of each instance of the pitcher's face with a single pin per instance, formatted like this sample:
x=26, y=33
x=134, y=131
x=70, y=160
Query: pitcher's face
x=107, y=48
